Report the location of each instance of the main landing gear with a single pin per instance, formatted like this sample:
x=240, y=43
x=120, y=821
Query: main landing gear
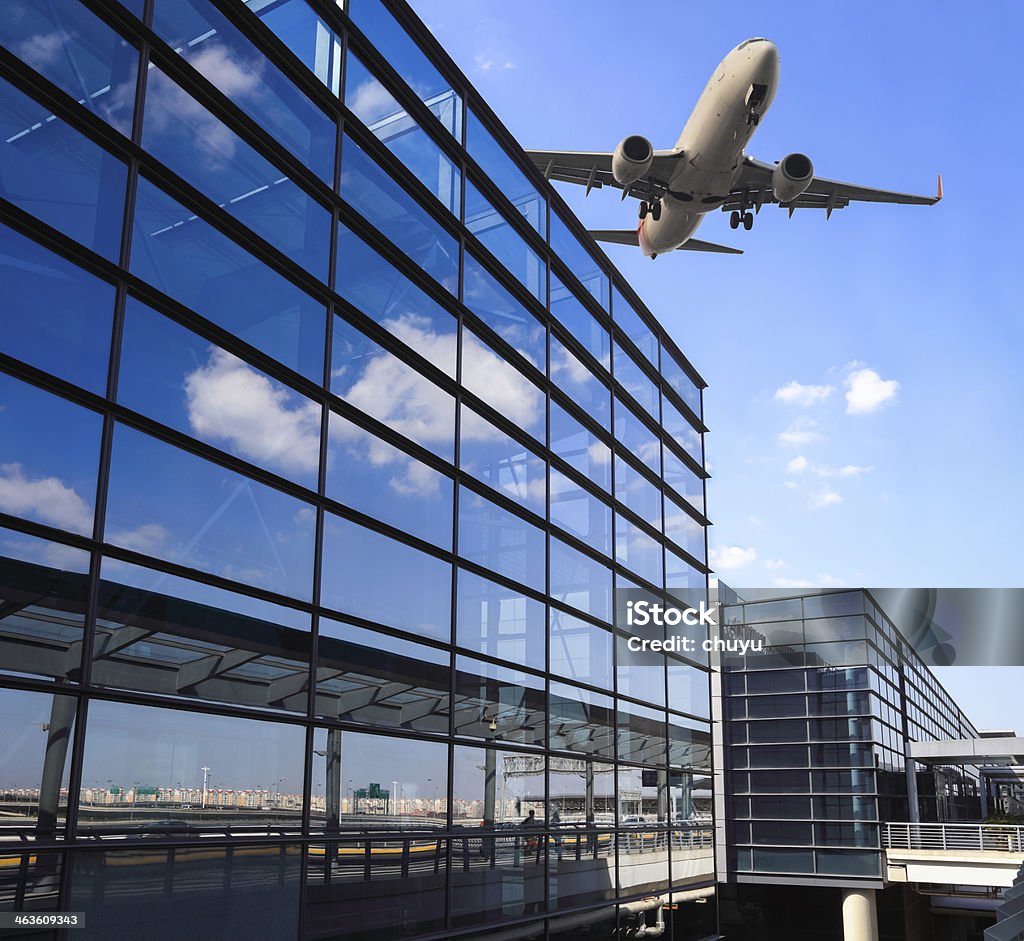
x=746, y=217
x=653, y=207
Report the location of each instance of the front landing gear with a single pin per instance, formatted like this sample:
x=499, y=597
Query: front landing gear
x=746, y=217
x=653, y=207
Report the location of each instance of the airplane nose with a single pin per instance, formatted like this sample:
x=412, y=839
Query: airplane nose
x=765, y=56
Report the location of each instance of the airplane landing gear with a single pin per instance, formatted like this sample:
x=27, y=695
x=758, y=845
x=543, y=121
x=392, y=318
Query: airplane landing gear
x=753, y=118
x=653, y=207
x=747, y=218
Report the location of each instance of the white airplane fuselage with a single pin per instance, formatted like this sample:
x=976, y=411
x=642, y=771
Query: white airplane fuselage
x=739, y=92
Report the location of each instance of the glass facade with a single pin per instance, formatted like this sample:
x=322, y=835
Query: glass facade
x=333, y=450
x=815, y=733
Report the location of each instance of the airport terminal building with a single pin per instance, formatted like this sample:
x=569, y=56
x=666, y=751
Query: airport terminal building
x=333, y=451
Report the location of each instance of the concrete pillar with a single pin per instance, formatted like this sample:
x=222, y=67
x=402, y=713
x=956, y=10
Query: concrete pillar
x=333, y=794
x=860, y=915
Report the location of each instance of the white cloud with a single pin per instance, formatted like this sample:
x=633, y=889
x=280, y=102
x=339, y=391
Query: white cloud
x=774, y=564
x=149, y=538
x=234, y=76
x=867, y=391
x=47, y=499
x=372, y=101
x=821, y=581
x=793, y=393
x=732, y=557
x=825, y=497
x=798, y=465
x=801, y=431
x=485, y=63
x=792, y=583
x=230, y=401
x=43, y=49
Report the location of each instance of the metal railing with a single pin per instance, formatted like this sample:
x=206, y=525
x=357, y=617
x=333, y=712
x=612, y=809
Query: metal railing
x=987, y=837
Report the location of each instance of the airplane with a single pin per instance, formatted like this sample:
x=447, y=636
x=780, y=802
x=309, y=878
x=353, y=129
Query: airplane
x=708, y=168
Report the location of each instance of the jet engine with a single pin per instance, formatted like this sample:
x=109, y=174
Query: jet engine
x=632, y=159
x=792, y=175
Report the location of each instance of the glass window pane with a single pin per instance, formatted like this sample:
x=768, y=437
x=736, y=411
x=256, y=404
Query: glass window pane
x=642, y=737
x=45, y=590
x=49, y=478
x=163, y=634
x=198, y=146
x=681, y=431
x=635, y=491
x=688, y=689
x=409, y=61
x=58, y=175
x=387, y=388
x=497, y=308
x=580, y=322
x=505, y=243
x=197, y=265
x=689, y=743
x=78, y=52
x=579, y=581
x=216, y=49
x=139, y=759
x=635, y=327
x=174, y=505
x=684, y=582
x=499, y=703
x=637, y=550
x=382, y=481
x=378, y=109
x=397, y=216
x=579, y=447
x=55, y=316
x=580, y=513
x=309, y=37
x=575, y=380
x=502, y=386
x=582, y=720
x=580, y=651
x=505, y=174
x=500, y=541
x=499, y=621
x=579, y=261
x=684, y=481
x=373, y=679
x=680, y=380
x=684, y=530
x=637, y=437
x=36, y=729
x=501, y=462
x=373, y=577
x=181, y=379
x=636, y=382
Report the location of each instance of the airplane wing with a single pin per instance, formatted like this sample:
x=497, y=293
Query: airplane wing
x=755, y=185
x=630, y=237
x=594, y=170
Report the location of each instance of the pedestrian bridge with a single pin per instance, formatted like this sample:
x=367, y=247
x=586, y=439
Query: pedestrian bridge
x=959, y=854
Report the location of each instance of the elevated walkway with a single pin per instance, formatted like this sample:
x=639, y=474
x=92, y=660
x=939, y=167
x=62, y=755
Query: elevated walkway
x=967, y=854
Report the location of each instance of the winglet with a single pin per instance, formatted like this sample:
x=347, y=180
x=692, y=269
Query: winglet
x=938, y=192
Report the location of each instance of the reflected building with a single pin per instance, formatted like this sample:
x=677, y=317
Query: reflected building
x=333, y=450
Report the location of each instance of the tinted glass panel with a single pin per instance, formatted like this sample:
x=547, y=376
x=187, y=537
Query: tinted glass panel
x=638, y=493
x=579, y=447
x=635, y=327
x=580, y=651
x=499, y=621
x=163, y=634
x=637, y=437
x=505, y=174
x=55, y=316
x=636, y=382
x=214, y=769
x=500, y=541
x=396, y=215
x=576, y=380
x=641, y=735
x=502, y=386
x=681, y=431
x=173, y=505
x=504, y=242
x=382, y=481
x=580, y=322
x=179, y=378
x=197, y=265
x=637, y=550
x=373, y=679
x=579, y=260
x=684, y=481
x=500, y=461
x=198, y=146
x=45, y=477
x=219, y=51
x=58, y=175
x=499, y=703
x=377, y=108
x=688, y=689
x=680, y=380
x=312, y=40
x=580, y=513
x=409, y=61
x=684, y=530
x=579, y=581
x=371, y=576
x=496, y=307
x=385, y=387
x=582, y=720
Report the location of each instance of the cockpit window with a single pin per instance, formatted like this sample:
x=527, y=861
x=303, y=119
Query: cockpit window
x=747, y=42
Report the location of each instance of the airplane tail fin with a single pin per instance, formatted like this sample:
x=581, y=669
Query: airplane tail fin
x=630, y=237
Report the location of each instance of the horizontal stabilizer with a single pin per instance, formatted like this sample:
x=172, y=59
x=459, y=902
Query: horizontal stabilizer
x=629, y=237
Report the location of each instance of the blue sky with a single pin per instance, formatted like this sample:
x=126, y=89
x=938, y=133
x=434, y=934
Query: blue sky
x=915, y=480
